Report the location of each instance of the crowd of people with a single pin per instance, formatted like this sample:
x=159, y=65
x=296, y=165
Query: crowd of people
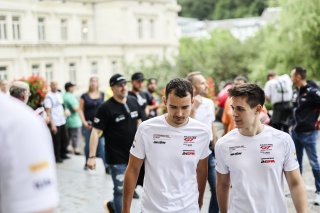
x=234, y=143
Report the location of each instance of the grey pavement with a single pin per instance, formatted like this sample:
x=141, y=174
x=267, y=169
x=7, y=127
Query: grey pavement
x=85, y=191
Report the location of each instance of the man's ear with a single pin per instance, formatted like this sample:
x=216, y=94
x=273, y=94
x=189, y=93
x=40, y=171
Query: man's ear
x=259, y=108
x=192, y=100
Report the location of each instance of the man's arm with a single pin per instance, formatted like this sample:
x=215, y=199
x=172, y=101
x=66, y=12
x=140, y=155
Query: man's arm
x=214, y=135
x=223, y=187
x=202, y=175
x=297, y=190
x=94, y=137
x=130, y=181
x=53, y=127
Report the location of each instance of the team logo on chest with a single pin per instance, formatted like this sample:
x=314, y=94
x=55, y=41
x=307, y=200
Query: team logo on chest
x=188, y=152
x=236, y=150
x=120, y=118
x=189, y=140
x=268, y=160
x=160, y=139
x=266, y=149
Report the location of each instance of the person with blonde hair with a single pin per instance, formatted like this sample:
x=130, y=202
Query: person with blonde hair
x=90, y=101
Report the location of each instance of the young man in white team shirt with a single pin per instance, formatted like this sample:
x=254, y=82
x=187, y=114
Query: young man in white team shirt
x=253, y=159
x=203, y=110
x=27, y=169
x=175, y=149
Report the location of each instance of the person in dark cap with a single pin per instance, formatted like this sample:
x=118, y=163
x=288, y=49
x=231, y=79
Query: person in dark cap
x=137, y=81
x=117, y=119
x=74, y=123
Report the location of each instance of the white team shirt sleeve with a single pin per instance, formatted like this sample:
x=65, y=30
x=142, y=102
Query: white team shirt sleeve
x=138, y=147
x=290, y=161
x=213, y=117
x=28, y=171
x=48, y=102
x=206, y=151
x=221, y=165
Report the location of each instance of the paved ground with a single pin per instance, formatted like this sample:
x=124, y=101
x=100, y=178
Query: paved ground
x=84, y=191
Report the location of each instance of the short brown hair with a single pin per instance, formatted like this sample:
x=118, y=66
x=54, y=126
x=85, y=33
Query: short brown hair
x=253, y=93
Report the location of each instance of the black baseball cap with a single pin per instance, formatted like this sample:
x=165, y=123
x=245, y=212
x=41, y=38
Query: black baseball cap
x=68, y=85
x=117, y=79
x=138, y=76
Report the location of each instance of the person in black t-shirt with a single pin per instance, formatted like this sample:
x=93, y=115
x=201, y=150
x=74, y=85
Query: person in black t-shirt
x=118, y=119
x=142, y=97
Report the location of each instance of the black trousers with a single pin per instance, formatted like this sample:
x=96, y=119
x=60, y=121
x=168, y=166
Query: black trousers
x=60, y=142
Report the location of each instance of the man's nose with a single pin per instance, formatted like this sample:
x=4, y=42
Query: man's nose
x=179, y=112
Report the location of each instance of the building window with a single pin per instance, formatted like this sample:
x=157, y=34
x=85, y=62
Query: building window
x=41, y=29
x=114, y=67
x=64, y=29
x=3, y=28
x=140, y=28
x=84, y=30
x=72, y=72
x=49, y=73
x=35, y=70
x=3, y=73
x=16, y=28
x=151, y=28
x=94, y=68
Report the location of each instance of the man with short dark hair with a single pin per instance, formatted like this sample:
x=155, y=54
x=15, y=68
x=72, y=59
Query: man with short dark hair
x=306, y=113
x=175, y=149
x=137, y=81
x=153, y=98
x=117, y=119
x=253, y=158
x=74, y=123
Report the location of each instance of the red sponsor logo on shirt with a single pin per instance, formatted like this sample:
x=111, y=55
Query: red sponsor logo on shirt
x=189, y=138
x=188, y=152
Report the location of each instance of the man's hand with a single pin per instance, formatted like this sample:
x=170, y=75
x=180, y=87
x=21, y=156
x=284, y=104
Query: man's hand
x=87, y=125
x=54, y=129
x=91, y=163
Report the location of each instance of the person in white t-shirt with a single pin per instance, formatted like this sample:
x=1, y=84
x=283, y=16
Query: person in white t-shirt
x=27, y=169
x=53, y=104
x=278, y=90
x=175, y=150
x=254, y=158
x=203, y=110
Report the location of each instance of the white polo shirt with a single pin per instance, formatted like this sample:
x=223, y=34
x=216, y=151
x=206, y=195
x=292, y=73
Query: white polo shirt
x=274, y=91
x=206, y=113
x=256, y=165
x=171, y=158
x=27, y=167
x=54, y=101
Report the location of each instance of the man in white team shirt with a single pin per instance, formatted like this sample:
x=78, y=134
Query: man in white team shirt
x=175, y=150
x=203, y=111
x=27, y=169
x=253, y=159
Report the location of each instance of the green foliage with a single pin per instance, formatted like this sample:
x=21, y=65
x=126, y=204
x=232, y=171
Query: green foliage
x=152, y=67
x=294, y=41
x=221, y=56
x=221, y=9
